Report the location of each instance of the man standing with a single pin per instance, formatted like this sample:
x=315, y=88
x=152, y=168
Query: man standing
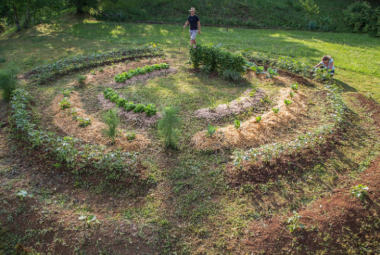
x=195, y=24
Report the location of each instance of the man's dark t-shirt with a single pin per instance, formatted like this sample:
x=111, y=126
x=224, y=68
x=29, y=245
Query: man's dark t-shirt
x=193, y=22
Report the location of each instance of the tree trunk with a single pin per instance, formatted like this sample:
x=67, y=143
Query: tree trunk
x=26, y=25
x=79, y=10
x=16, y=18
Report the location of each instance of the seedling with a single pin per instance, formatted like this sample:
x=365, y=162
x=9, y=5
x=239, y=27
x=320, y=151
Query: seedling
x=23, y=194
x=258, y=119
x=65, y=103
x=293, y=222
x=252, y=93
x=84, y=122
x=265, y=100
x=130, y=136
x=66, y=92
x=81, y=79
x=275, y=110
x=92, y=72
x=360, y=191
x=211, y=130
x=89, y=219
x=294, y=86
x=237, y=124
x=291, y=94
x=287, y=102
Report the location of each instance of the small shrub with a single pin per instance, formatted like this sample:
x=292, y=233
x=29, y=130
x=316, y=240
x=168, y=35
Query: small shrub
x=358, y=16
x=81, y=79
x=360, y=191
x=275, y=110
x=150, y=110
x=65, y=103
x=111, y=119
x=139, y=108
x=237, y=124
x=7, y=83
x=169, y=126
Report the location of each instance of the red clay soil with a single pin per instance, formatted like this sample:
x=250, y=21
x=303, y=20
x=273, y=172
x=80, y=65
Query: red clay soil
x=337, y=224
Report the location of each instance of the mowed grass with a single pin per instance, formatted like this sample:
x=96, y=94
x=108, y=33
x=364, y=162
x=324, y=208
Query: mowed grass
x=356, y=56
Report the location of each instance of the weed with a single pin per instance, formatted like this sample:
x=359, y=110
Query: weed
x=7, y=83
x=169, y=126
x=112, y=121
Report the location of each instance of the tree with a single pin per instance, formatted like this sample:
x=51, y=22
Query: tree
x=169, y=125
x=80, y=4
x=310, y=8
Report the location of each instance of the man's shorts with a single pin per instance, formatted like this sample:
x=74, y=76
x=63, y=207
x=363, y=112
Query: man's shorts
x=193, y=33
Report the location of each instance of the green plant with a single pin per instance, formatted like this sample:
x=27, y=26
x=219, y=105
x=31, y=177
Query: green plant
x=271, y=72
x=7, y=83
x=374, y=25
x=252, y=93
x=258, y=69
x=291, y=94
x=211, y=130
x=66, y=92
x=81, y=79
x=265, y=100
x=357, y=16
x=287, y=102
x=101, y=69
x=139, y=108
x=120, y=102
x=258, y=119
x=275, y=110
x=111, y=119
x=92, y=72
x=137, y=60
x=294, y=86
x=237, y=124
x=65, y=103
x=150, y=110
x=360, y=191
x=84, y=122
x=322, y=75
x=169, y=126
x=130, y=136
x=293, y=222
x=129, y=106
x=114, y=97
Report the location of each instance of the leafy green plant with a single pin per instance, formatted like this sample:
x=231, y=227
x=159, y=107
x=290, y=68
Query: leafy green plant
x=7, y=83
x=258, y=69
x=237, y=124
x=275, y=110
x=129, y=106
x=291, y=94
x=139, y=108
x=66, y=92
x=294, y=86
x=114, y=97
x=287, y=102
x=293, y=222
x=84, y=122
x=164, y=66
x=169, y=126
x=258, y=119
x=271, y=72
x=81, y=79
x=211, y=130
x=360, y=191
x=92, y=72
x=65, y=103
x=130, y=136
x=322, y=75
x=120, y=102
x=265, y=100
x=252, y=93
x=150, y=110
x=357, y=16
x=111, y=119
x=139, y=70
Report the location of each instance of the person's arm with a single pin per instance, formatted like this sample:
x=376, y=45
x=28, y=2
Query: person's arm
x=199, y=27
x=318, y=65
x=187, y=23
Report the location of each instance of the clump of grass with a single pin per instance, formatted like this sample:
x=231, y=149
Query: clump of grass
x=7, y=83
x=112, y=120
x=169, y=126
x=81, y=79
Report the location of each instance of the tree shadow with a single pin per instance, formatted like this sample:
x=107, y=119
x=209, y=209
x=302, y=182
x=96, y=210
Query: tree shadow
x=344, y=86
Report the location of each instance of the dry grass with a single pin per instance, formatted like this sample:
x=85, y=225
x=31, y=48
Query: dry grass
x=252, y=133
x=92, y=133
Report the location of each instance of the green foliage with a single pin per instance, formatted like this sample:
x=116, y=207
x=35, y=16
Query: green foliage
x=84, y=122
x=360, y=191
x=130, y=136
x=291, y=94
x=357, y=16
x=293, y=222
x=275, y=110
x=258, y=119
x=227, y=64
x=169, y=126
x=65, y=103
x=7, y=83
x=252, y=93
x=81, y=79
x=310, y=7
x=139, y=108
x=287, y=102
x=120, y=102
x=211, y=130
x=271, y=72
x=258, y=69
x=66, y=92
x=129, y=106
x=374, y=25
x=287, y=63
x=150, y=110
x=111, y=119
x=322, y=75
x=294, y=86
x=237, y=124
x=139, y=70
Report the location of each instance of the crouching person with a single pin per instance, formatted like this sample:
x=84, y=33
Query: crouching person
x=327, y=63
